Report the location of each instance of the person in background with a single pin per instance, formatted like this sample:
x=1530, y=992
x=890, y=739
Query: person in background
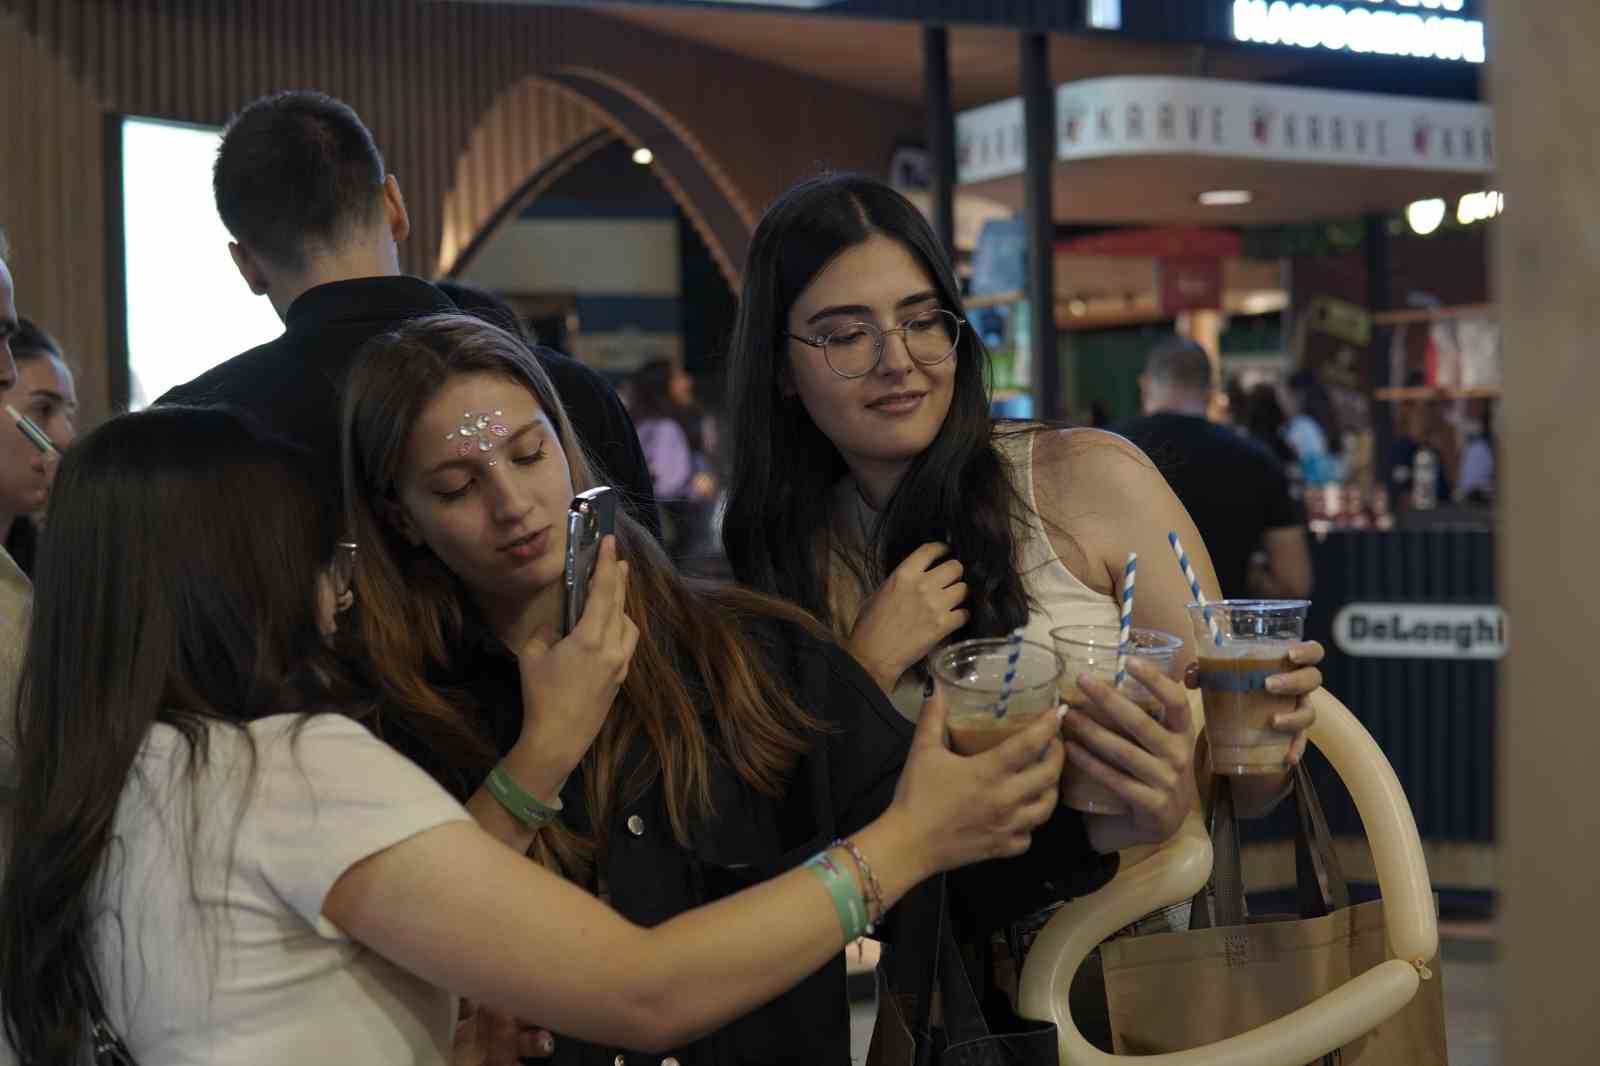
x=317, y=223
x=16, y=592
x=45, y=393
x=671, y=432
x=1475, y=483
x=1235, y=490
x=1312, y=429
x=1264, y=423
x=1235, y=404
x=213, y=843
x=598, y=414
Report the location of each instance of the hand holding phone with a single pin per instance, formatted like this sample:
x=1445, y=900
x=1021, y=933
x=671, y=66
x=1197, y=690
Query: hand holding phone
x=569, y=683
x=591, y=518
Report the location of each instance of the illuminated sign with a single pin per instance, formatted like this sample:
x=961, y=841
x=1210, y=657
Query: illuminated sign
x=1421, y=631
x=1425, y=29
x=1156, y=116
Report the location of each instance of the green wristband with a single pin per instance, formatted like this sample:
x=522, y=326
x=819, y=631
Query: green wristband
x=518, y=802
x=845, y=893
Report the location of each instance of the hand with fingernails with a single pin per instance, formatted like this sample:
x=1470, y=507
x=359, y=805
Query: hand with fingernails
x=911, y=613
x=1142, y=752
x=570, y=683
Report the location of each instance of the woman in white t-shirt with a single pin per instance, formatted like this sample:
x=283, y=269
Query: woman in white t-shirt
x=212, y=842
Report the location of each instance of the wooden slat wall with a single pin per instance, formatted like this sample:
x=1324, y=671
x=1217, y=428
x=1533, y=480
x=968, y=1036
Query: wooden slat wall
x=423, y=75
x=525, y=128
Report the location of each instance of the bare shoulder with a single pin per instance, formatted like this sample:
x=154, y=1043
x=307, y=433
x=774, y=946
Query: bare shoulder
x=1100, y=486
x=1092, y=459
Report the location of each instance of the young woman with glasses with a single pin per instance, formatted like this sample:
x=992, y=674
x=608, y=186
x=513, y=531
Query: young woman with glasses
x=872, y=487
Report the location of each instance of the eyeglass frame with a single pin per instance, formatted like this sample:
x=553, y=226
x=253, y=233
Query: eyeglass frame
x=820, y=341
x=343, y=573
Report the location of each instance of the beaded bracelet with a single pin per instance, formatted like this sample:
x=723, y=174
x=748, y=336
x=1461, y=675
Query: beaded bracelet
x=869, y=879
x=845, y=893
x=520, y=803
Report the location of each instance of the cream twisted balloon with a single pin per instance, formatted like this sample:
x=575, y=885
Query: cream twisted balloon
x=1180, y=868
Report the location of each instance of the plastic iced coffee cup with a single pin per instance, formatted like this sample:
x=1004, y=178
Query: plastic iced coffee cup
x=1251, y=642
x=982, y=710
x=1092, y=650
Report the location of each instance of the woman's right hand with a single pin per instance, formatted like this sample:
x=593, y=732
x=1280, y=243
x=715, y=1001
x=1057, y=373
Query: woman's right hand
x=916, y=607
x=966, y=809
x=570, y=683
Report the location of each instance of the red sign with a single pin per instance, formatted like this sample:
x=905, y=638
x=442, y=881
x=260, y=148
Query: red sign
x=1190, y=283
x=1174, y=242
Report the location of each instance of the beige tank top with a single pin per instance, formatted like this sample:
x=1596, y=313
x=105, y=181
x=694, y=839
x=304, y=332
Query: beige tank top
x=1057, y=596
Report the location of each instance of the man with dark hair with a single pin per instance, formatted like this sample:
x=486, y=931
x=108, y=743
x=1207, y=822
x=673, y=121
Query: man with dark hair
x=1236, y=491
x=317, y=222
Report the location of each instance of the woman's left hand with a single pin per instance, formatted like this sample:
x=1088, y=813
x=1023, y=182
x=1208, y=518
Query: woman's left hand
x=1142, y=753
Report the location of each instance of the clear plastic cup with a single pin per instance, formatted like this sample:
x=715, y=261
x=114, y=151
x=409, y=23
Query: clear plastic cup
x=1092, y=650
x=982, y=713
x=1251, y=643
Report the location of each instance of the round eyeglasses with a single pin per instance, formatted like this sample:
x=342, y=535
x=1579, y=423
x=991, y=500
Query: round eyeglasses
x=855, y=349
x=344, y=567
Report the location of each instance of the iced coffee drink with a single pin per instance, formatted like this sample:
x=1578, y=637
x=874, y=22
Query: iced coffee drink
x=1244, y=643
x=983, y=710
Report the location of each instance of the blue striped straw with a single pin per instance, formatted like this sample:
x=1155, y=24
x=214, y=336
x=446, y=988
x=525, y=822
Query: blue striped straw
x=1011, y=673
x=35, y=435
x=1125, y=637
x=1194, y=585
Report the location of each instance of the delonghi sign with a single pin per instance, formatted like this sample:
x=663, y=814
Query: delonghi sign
x=1420, y=631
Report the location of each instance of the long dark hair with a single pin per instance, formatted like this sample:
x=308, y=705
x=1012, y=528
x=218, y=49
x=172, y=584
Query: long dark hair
x=415, y=613
x=650, y=396
x=1315, y=403
x=777, y=530
x=1264, y=418
x=175, y=584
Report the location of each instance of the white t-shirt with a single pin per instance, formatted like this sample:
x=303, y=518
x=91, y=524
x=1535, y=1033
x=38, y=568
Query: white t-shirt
x=252, y=972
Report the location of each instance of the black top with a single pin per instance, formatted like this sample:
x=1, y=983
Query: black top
x=292, y=384
x=1232, y=486
x=845, y=781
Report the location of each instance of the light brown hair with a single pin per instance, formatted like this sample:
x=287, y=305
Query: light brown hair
x=413, y=610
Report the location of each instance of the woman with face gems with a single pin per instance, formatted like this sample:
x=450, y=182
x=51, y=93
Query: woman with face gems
x=683, y=743
x=871, y=486
x=218, y=861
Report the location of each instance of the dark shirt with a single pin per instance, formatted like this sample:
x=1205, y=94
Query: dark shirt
x=1232, y=486
x=845, y=781
x=292, y=384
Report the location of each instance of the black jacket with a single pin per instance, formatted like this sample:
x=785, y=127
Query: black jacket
x=847, y=779
x=292, y=384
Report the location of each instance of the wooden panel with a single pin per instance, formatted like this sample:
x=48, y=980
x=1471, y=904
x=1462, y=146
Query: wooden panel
x=1546, y=247
x=422, y=74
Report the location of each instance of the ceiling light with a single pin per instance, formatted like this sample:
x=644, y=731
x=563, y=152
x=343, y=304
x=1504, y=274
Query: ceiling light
x=643, y=156
x=1226, y=197
x=1425, y=216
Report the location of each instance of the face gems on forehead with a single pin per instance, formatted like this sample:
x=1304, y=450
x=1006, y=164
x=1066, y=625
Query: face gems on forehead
x=475, y=431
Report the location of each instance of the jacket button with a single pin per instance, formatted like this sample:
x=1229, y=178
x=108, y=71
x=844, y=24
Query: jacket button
x=636, y=825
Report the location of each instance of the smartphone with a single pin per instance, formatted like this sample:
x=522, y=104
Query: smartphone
x=592, y=517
